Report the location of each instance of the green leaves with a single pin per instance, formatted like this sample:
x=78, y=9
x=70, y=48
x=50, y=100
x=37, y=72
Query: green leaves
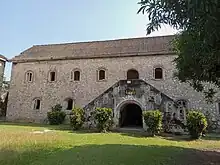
x=142, y=8
x=153, y=120
x=56, y=116
x=104, y=118
x=77, y=118
x=198, y=44
x=196, y=124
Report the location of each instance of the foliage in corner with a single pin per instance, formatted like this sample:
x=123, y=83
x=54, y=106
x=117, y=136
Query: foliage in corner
x=3, y=105
x=153, y=120
x=196, y=124
x=173, y=124
x=104, y=119
x=212, y=125
x=198, y=43
x=77, y=118
x=56, y=116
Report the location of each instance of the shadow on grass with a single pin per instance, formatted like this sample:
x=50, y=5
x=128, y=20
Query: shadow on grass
x=212, y=137
x=171, y=136
x=110, y=154
x=145, y=134
x=187, y=137
x=135, y=134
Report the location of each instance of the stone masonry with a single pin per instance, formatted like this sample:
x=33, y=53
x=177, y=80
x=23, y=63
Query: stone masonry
x=3, y=60
x=115, y=57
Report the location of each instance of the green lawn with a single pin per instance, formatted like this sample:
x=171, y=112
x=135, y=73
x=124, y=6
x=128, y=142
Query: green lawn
x=22, y=145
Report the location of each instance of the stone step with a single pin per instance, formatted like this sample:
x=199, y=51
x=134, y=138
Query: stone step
x=130, y=129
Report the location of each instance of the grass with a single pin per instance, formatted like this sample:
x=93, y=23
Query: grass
x=20, y=144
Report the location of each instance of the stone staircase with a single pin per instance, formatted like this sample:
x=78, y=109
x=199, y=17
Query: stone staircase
x=137, y=91
x=124, y=89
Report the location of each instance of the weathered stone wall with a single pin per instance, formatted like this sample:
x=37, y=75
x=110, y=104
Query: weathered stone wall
x=125, y=92
x=2, y=69
x=22, y=94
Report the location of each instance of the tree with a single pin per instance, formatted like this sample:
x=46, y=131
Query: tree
x=198, y=43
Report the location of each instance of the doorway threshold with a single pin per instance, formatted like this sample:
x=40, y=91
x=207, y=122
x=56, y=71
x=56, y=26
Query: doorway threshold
x=131, y=129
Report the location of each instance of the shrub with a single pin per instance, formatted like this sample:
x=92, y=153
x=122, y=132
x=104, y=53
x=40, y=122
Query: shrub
x=104, y=119
x=3, y=105
x=56, y=116
x=153, y=120
x=196, y=124
x=77, y=118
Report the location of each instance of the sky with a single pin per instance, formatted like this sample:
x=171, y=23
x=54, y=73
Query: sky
x=24, y=23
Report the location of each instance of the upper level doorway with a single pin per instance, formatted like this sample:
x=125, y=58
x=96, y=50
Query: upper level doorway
x=132, y=74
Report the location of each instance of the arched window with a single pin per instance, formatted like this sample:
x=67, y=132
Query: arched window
x=37, y=104
x=76, y=75
x=69, y=104
x=132, y=74
x=101, y=74
x=52, y=76
x=29, y=76
x=158, y=73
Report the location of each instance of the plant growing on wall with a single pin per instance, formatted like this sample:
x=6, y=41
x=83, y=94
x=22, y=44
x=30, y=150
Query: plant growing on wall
x=56, y=115
x=153, y=120
x=196, y=124
x=3, y=105
x=104, y=119
x=77, y=118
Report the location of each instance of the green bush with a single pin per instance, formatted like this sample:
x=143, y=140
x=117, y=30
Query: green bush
x=153, y=120
x=104, y=119
x=56, y=115
x=77, y=118
x=196, y=124
x=3, y=105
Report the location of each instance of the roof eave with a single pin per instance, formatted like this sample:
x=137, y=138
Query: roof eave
x=23, y=60
x=3, y=58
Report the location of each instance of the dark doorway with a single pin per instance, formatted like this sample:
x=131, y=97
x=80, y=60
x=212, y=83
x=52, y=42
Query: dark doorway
x=69, y=104
x=132, y=74
x=131, y=116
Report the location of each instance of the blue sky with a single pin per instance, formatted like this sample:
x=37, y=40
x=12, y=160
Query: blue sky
x=25, y=23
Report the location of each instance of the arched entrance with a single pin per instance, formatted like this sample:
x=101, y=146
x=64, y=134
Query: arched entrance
x=132, y=74
x=131, y=116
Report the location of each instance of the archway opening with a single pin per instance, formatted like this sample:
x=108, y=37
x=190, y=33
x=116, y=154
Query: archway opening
x=131, y=116
x=132, y=74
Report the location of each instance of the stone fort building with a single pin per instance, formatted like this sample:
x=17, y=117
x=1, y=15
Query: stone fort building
x=127, y=75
